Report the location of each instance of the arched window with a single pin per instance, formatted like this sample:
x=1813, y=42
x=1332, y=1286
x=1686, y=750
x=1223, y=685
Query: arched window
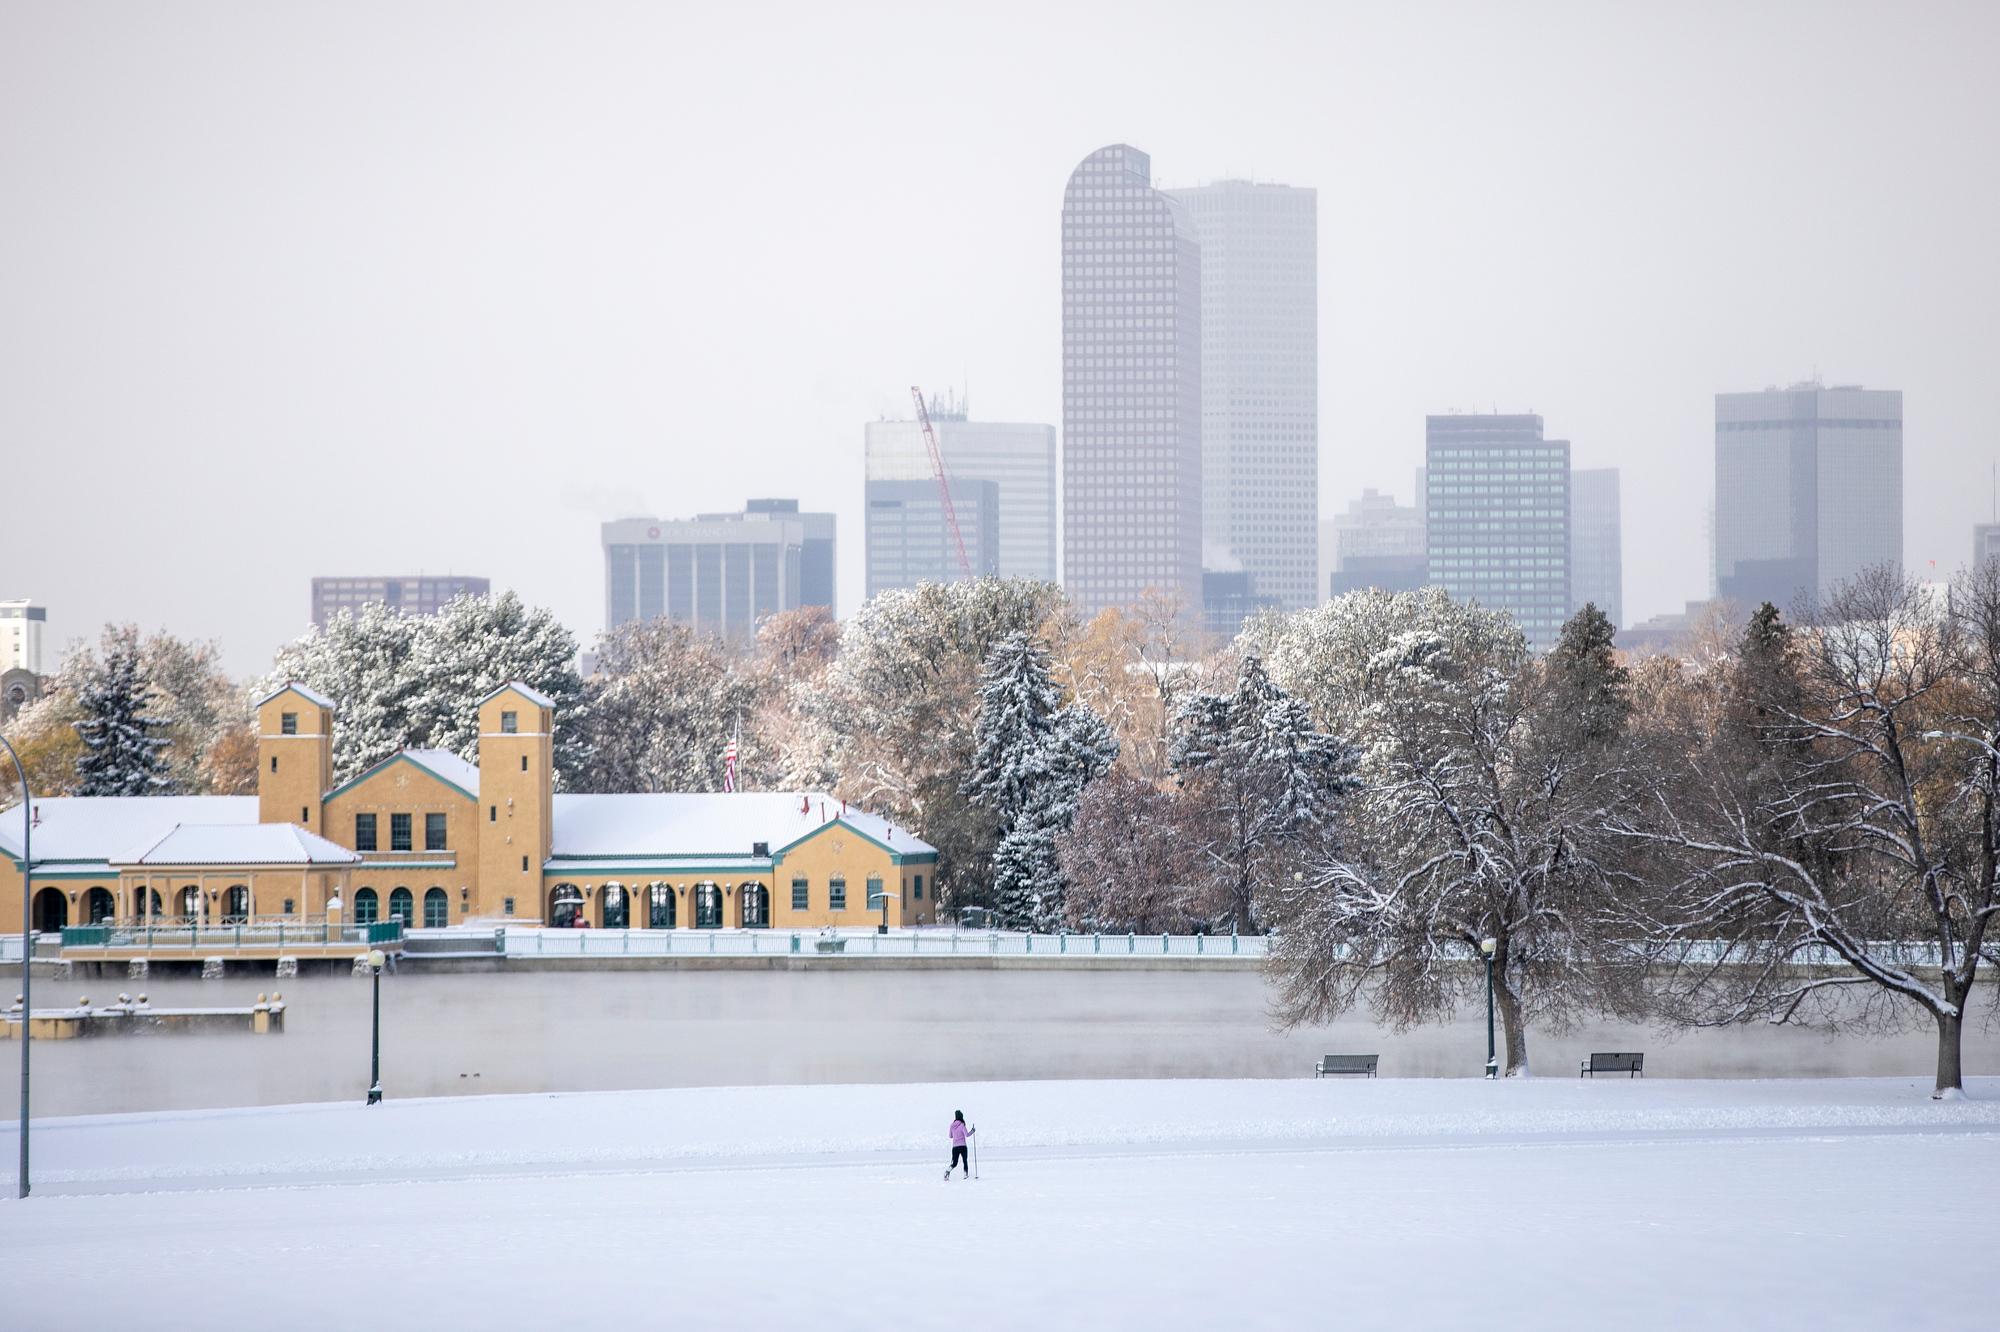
x=756, y=906
x=51, y=910
x=403, y=906
x=146, y=904
x=708, y=905
x=100, y=906
x=617, y=906
x=565, y=906
x=660, y=907
x=367, y=907
x=191, y=904
x=437, y=909
x=237, y=909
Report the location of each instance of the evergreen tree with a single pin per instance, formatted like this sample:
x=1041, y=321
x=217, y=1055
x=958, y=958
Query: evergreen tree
x=124, y=754
x=1592, y=689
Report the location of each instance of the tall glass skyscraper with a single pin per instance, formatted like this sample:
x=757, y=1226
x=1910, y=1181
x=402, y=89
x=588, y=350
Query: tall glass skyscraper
x=1260, y=384
x=1596, y=543
x=1132, y=388
x=1497, y=527
x=1808, y=490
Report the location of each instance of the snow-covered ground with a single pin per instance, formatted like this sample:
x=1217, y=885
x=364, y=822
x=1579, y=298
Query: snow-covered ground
x=1423, y=1203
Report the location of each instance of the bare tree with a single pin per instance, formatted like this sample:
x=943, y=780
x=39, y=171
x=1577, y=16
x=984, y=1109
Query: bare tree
x=1129, y=859
x=1834, y=843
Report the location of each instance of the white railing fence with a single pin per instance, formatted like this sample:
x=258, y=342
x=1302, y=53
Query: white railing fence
x=531, y=941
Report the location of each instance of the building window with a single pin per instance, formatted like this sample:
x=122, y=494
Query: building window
x=364, y=833
x=288, y=723
x=510, y=723
x=365, y=906
x=917, y=889
x=274, y=763
x=874, y=891
x=290, y=906
x=402, y=906
x=492, y=813
x=437, y=909
x=507, y=906
x=801, y=894
x=524, y=763
x=434, y=832
x=399, y=832
x=524, y=864
x=836, y=893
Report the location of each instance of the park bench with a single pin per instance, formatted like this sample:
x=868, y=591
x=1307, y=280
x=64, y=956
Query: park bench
x=1633, y=1065
x=1334, y=1065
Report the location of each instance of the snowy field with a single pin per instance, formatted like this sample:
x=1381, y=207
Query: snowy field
x=1281, y=1204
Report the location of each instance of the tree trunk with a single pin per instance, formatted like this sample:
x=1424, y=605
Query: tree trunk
x=1950, y=1080
x=1514, y=1031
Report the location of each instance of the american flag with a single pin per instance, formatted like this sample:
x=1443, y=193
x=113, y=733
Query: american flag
x=729, y=763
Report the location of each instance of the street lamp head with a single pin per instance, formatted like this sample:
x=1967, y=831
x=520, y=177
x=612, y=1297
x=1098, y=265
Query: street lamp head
x=1487, y=946
x=375, y=958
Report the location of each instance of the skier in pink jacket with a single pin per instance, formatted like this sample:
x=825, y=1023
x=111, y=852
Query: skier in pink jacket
x=959, y=1133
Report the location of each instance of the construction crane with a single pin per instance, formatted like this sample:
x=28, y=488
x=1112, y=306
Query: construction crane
x=944, y=487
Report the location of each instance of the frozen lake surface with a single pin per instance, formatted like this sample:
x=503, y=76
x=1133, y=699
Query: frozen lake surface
x=531, y=1031
x=1223, y=1203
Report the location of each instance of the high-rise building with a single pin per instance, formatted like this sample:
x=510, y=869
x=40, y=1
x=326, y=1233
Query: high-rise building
x=1259, y=384
x=1019, y=459
x=1808, y=490
x=1985, y=543
x=1596, y=550
x=21, y=625
x=722, y=573
x=909, y=542
x=1497, y=521
x=1131, y=278
x=418, y=594
x=1378, y=543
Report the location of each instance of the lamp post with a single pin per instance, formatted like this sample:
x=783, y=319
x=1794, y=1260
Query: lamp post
x=1486, y=949
x=375, y=961
x=27, y=947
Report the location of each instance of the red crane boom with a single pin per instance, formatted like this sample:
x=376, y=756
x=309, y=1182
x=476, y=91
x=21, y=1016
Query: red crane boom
x=944, y=488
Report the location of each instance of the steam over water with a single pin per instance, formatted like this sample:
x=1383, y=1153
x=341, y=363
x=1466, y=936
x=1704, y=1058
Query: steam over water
x=457, y=1034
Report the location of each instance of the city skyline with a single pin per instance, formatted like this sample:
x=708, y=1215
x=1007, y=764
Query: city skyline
x=523, y=363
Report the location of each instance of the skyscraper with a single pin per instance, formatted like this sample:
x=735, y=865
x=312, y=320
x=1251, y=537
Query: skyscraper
x=417, y=594
x=1808, y=490
x=722, y=573
x=1378, y=543
x=908, y=541
x=1985, y=543
x=1259, y=383
x=1596, y=551
x=1131, y=387
x=1497, y=527
x=1019, y=459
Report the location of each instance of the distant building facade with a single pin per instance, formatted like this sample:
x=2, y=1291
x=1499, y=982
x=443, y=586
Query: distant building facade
x=418, y=594
x=1019, y=459
x=1596, y=551
x=721, y=573
x=909, y=542
x=1985, y=543
x=1132, y=393
x=22, y=624
x=1228, y=598
x=1378, y=543
x=1808, y=490
x=1259, y=383
x=1497, y=517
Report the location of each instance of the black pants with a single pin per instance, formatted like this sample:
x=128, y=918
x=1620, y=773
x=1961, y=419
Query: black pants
x=957, y=1159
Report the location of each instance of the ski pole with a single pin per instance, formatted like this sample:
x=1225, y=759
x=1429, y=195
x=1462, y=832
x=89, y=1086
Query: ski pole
x=975, y=1151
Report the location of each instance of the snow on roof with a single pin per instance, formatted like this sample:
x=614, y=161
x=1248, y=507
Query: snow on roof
x=309, y=695
x=528, y=692
x=238, y=844
x=684, y=824
x=95, y=828
x=447, y=765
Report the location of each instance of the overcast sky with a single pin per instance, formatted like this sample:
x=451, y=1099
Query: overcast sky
x=290, y=290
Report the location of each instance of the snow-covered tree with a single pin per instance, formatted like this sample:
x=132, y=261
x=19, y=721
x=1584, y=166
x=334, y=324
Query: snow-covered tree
x=1833, y=844
x=1262, y=783
x=661, y=708
x=124, y=748
x=1129, y=860
x=1032, y=759
x=360, y=660
x=1484, y=790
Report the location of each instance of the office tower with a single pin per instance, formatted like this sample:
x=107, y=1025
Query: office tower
x=1259, y=383
x=909, y=542
x=1131, y=387
x=1596, y=560
x=1808, y=490
x=1018, y=458
x=722, y=573
x=1228, y=598
x=1497, y=525
x=21, y=625
x=1985, y=544
x=418, y=594
x=1378, y=543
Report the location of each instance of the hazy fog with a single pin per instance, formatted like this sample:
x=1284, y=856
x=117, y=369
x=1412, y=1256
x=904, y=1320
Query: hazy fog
x=288, y=290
